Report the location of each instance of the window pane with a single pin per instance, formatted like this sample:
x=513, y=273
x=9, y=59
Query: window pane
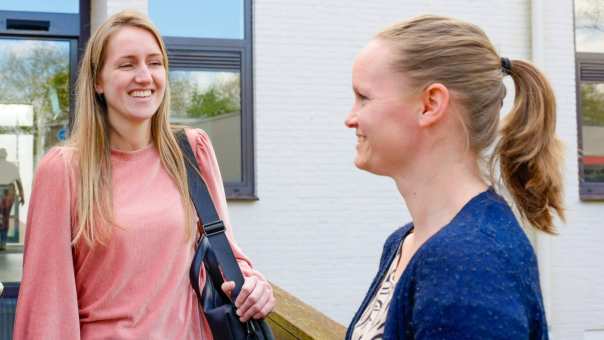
x=592, y=110
x=211, y=101
x=34, y=114
x=198, y=18
x=54, y=6
x=589, y=25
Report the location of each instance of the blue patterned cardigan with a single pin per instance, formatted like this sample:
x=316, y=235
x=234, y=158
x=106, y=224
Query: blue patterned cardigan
x=476, y=278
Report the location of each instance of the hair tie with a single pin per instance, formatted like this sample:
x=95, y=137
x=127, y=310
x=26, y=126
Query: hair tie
x=506, y=66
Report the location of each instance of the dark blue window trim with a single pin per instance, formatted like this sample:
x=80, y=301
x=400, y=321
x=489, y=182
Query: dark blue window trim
x=11, y=290
x=74, y=28
x=590, y=68
x=48, y=24
x=230, y=55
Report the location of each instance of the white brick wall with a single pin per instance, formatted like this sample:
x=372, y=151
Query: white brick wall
x=319, y=225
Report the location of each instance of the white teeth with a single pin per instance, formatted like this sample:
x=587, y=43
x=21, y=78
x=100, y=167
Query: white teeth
x=144, y=93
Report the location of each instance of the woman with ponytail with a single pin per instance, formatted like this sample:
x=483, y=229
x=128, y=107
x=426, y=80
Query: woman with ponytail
x=428, y=95
x=111, y=230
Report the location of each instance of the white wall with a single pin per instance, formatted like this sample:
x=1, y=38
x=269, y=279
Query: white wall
x=319, y=225
x=576, y=255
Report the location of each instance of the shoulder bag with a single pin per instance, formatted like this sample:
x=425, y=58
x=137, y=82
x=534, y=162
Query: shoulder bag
x=214, y=252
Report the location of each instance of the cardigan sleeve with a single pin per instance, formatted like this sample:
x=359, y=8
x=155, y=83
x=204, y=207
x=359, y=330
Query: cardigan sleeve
x=210, y=172
x=47, y=307
x=467, y=291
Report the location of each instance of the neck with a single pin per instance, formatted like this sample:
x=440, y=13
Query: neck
x=127, y=136
x=435, y=194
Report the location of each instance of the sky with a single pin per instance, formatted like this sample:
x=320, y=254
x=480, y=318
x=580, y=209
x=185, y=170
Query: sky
x=198, y=18
x=53, y=6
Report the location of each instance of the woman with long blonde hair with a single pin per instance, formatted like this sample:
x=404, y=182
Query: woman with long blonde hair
x=428, y=95
x=110, y=232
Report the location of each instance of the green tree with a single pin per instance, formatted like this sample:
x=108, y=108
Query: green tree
x=216, y=100
x=37, y=74
x=592, y=105
x=180, y=94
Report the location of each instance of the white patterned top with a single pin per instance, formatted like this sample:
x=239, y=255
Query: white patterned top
x=371, y=323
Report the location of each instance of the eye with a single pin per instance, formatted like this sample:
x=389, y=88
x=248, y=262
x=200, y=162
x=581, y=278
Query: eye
x=156, y=63
x=125, y=65
x=362, y=98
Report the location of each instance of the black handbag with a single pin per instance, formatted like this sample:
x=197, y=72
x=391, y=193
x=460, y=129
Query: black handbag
x=215, y=253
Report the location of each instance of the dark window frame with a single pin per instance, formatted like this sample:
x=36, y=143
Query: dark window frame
x=589, y=68
x=72, y=27
x=210, y=54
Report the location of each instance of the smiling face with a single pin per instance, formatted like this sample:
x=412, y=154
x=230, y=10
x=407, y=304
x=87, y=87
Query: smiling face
x=133, y=76
x=385, y=112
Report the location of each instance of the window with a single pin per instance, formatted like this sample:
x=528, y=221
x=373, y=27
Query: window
x=589, y=37
x=39, y=46
x=211, y=79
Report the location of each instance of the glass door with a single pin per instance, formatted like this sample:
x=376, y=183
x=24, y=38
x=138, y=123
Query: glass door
x=35, y=86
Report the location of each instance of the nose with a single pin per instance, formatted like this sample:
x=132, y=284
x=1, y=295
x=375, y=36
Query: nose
x=143, y=75
x=351, y=120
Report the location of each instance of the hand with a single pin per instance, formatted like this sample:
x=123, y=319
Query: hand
x=255, y=300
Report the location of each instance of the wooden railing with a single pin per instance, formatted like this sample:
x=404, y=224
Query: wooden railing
x=294, y=319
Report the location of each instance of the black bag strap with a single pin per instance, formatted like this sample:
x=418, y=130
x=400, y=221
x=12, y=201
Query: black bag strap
x=214, y=250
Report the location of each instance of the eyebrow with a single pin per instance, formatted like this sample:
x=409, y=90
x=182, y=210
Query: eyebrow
x=130, y=56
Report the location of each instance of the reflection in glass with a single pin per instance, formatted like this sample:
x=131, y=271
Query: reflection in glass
x=589, y=25
x=54, y=6
x=34, y=114
x=211, y=101
x=592, y=111
x=198, y=18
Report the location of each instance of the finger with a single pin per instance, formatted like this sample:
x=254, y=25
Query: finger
x=246, y=290
x=268, y=307
x=227, y=287
x=251, y=300
x=256, y=308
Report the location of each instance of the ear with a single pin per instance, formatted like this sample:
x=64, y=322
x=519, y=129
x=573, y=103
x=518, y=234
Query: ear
x=435, y=101
x=98, y=87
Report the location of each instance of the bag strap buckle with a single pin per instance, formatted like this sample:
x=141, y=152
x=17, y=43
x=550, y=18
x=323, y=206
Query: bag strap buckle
x=213, y=228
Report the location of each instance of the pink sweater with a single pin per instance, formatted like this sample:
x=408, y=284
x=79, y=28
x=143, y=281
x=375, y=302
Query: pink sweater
x=137, y=287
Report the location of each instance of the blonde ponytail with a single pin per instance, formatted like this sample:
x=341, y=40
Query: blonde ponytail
x=529, y=153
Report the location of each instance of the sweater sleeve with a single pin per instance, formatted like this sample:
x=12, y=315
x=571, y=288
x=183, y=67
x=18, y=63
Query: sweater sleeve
x=467, y=291
x=47, y=307
x=208, y=165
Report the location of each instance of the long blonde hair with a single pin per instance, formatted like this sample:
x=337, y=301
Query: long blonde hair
x=90, y=137
x=459, y=55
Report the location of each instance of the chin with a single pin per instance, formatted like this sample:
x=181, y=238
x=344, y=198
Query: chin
x=142, y=114
x=363, y=164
